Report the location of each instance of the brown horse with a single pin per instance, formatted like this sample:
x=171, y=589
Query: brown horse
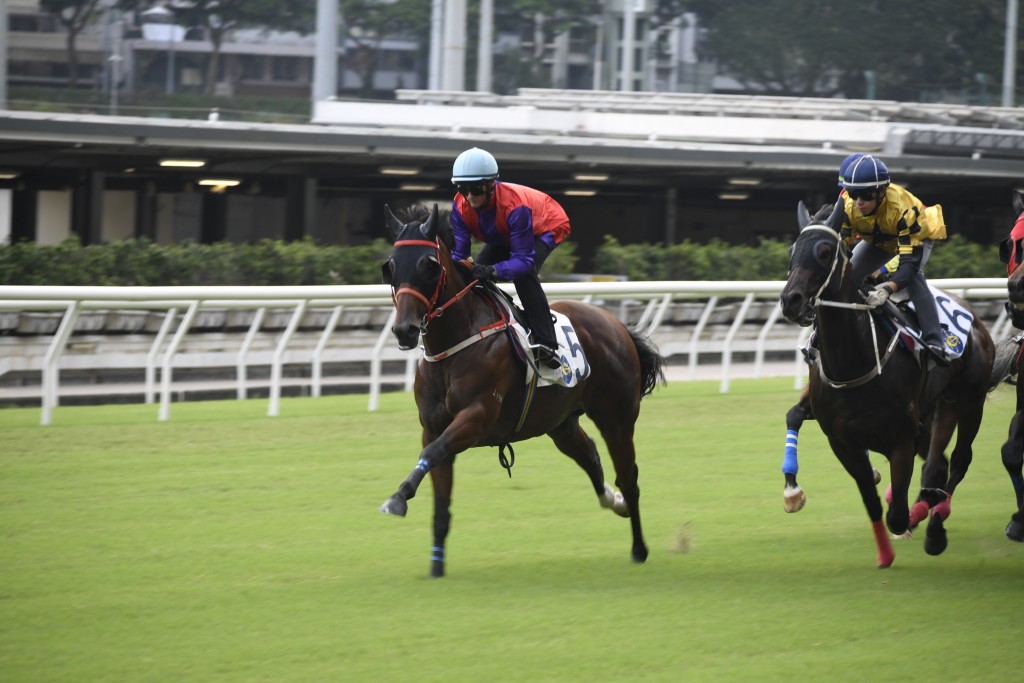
x=475, y=390
x=868, y=392
x=1012, y=253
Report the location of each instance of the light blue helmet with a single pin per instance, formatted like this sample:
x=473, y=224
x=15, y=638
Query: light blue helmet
x=866, y=173
x=844, y=167
x=474, y=164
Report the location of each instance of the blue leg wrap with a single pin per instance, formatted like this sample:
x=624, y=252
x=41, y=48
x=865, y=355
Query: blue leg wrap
x=438, y=554
x=789, y=462
x=423, y=466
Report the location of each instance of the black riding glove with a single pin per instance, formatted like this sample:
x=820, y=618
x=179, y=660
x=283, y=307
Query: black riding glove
x=483, y=273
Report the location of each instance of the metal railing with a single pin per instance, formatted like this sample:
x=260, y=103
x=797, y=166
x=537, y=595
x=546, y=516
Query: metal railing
x=659, y=296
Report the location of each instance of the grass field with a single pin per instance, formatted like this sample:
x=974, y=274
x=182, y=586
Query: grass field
x=228, y=546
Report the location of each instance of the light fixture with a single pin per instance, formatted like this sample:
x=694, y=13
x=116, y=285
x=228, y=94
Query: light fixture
x=399, y=170
x=590, y=177
x=580, y=192
x=182, y=163
x=751, y=182
x=413, y=187
x=8, y=175
x=219, y=184
x=738, y=196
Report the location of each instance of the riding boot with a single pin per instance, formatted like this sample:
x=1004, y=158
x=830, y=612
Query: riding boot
x=538, y=315
x=928, y=319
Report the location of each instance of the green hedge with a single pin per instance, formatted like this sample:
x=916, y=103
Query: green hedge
x=142, y=262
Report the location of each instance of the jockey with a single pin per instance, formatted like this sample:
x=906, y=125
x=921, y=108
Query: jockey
x=891, y=221
x=520, y=227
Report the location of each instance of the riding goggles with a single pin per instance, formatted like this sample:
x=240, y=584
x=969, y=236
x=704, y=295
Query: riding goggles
x=466, y=189
x=866, y=195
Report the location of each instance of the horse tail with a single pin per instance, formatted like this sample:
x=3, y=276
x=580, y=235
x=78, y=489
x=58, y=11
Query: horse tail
x=652, y=363
x=1005, y=363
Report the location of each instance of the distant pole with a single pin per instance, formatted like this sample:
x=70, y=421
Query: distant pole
x=3, y=54
x=453, y=74
x=1010, y=53
x=325, y=63
x=436, y=38
x=485, y=47
x=628, y=31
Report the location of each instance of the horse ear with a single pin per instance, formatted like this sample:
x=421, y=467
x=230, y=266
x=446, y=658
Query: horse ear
x=1018, y=201
x=835, y=221
x=803, y=216
x=429, y=227
x=393, y=225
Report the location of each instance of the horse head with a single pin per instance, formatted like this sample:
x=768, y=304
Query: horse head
x=1011, y=252
x=817, y=263
x=419, y=269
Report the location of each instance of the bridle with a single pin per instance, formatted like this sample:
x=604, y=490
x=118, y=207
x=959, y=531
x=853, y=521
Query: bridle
x=433, y=310
x=830, y=287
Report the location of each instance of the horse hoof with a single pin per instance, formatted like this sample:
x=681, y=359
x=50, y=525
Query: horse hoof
x=394, y=506
x=935, y=541
x=640, y=554
x=1015, y=531
x=436, y=570
x=878, y=476
x=793, y=499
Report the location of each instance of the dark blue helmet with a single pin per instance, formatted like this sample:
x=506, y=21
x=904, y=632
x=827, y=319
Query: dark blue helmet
x=866, y=173
x=844, y=167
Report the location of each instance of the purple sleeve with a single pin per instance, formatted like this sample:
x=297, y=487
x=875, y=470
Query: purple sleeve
x=462, y=236
x=521, y=250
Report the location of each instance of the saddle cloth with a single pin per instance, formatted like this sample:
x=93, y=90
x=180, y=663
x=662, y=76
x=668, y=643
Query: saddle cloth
x=954, y=319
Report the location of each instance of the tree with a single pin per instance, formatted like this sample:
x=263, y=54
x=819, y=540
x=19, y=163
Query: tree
x=74, y=15
x=218, y=17
x=368, y=22
x=822, y=47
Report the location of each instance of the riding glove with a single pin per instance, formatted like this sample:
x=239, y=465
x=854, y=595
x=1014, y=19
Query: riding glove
x=878, y=296
x=482, y=272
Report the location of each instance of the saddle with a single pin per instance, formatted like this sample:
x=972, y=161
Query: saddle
x=954, y=320
x=574, y=366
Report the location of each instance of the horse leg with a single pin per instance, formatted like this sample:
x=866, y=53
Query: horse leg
x=571, y=440
x=901, y=469
x=858, y=465
x=617, y=432
x=442, y=478
x=939, y=476
x=793, y=497
x=1013, y=461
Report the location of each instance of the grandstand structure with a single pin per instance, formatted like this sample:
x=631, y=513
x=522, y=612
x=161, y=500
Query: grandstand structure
x=653, y=167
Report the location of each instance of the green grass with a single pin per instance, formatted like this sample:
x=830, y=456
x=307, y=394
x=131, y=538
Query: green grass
x=224, y=545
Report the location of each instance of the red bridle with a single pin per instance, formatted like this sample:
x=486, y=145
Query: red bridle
x=430, y=303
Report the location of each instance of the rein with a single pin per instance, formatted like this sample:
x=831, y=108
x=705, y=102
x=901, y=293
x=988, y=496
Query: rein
x=817, y=301
x=435, y=311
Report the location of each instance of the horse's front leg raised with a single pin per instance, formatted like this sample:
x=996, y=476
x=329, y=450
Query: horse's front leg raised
x=463, y=432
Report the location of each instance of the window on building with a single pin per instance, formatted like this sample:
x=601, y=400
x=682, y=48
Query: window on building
x=285, y=68
x=253, y=67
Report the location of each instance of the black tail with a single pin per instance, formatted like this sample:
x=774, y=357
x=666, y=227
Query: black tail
x=1005, y=363
x=652, y=363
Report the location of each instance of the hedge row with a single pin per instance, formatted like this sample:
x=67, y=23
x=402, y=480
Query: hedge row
x=141, y=262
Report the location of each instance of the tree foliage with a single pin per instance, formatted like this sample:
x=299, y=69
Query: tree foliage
x=74, y=15
x=914, y=51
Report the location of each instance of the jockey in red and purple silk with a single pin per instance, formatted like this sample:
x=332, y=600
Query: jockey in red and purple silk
x=519, y=226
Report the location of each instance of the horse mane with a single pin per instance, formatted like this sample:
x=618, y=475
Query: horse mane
x=420, y=213
x=823, y=213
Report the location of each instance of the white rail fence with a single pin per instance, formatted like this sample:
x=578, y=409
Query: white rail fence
x=726, y=307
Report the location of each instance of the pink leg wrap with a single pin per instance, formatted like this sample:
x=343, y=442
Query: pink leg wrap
x=888, y=495
x=885, y=552
x=918, y=512
x=942, y=509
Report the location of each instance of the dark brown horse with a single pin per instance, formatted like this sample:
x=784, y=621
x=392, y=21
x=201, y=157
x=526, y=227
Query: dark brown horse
x=1012, y=252
x=474, y=395
x=869, y=392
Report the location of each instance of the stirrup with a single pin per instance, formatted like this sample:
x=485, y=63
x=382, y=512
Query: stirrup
x=547, y=356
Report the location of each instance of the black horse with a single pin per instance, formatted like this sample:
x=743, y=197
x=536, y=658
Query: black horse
x=869, y=392
x=474, y=391
x=1012, y=253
